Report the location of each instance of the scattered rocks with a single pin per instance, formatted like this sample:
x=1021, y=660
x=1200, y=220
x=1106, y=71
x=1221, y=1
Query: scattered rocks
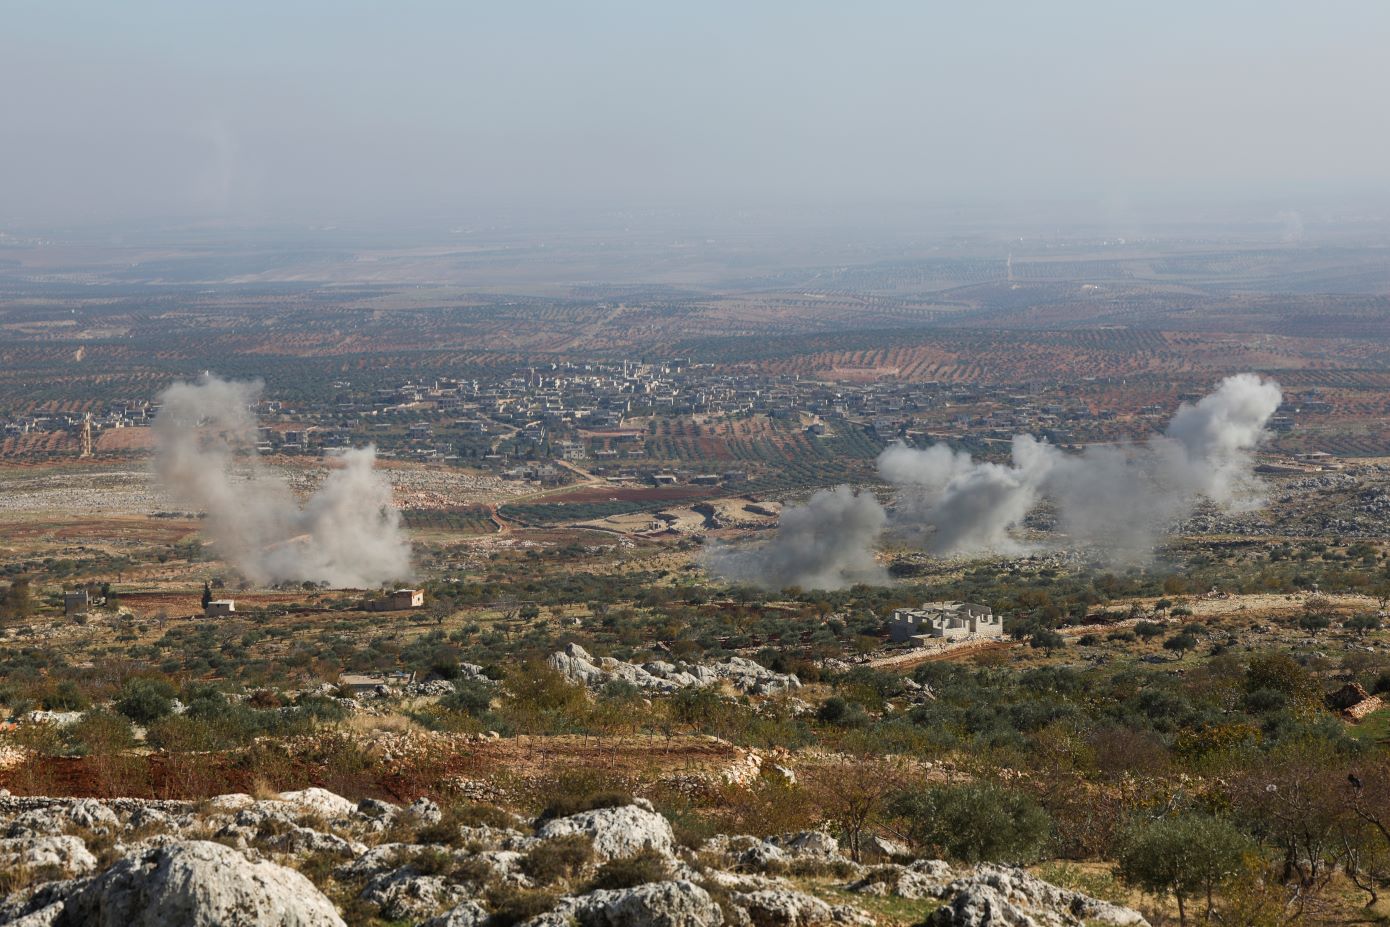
x=169, y=877
x=996, y=896
x=578, y=665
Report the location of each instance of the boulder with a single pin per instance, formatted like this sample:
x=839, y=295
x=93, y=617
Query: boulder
x=197, y=884
x=925, y=878
x=406, y=895
x=616, y=832
x=787, y=908
x=467, y=914
x=90, y=814
x=809, y=843
x=60, y=855
x=231, y=801
x=994, y=896
x=472, y=671
x=375, y=808
x=760, y=856
x=656, y=904
x=875, y=849
x=380, y=858
x=320, y=801
x=153, y=819
x=981, y=906
x=301, y=841
x=423, y=811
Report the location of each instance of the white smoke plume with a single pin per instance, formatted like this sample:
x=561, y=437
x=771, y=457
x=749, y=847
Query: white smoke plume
x=1119, y=500
x=825, y=544
x=347, y=534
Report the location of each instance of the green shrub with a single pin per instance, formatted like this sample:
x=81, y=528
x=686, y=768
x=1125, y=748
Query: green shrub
x=974, y=822
x=66, y=696
x=100, y=732
x=469, y=697
x=145, y=700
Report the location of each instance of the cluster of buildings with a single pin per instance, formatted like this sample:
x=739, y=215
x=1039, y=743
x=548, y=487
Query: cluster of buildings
x=603, y=414
x=121, y=414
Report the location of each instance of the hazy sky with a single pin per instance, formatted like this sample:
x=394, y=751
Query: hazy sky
x=308, y=109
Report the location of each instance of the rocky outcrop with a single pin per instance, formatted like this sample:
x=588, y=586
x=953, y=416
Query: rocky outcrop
x=406, y=895
x=59, y=855
x=193, y=884
x=615, y=832
x=169, y=875
x=1002, y=896
x=578, y=665
x=84, y=813
x=468, y=914
x=656, y=904
x=925, y=878
x=788, y=908
x=321, y=801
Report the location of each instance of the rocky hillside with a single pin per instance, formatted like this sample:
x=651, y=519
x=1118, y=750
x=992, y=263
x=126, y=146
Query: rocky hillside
x=314, y=859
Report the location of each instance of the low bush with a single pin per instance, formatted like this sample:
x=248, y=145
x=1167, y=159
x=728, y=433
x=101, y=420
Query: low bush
x=974, y=822
x=646, y=866
x=558, y=858
x=512, y=904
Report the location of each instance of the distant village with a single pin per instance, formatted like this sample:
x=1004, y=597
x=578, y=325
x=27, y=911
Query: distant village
x=532, y=422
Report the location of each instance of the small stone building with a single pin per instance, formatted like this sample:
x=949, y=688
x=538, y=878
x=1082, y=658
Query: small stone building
x=219, y=608
x=370, y=682
x=398, y=600
x=76, y=602
x=945, y=621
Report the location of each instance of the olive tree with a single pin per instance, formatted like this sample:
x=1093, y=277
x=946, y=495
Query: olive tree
x=1183, y=856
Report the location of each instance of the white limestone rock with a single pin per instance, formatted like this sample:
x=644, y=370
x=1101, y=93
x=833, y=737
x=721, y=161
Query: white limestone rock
x=616, y=832
x=197, y=884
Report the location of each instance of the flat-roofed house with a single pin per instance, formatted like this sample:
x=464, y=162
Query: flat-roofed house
x=945, y=621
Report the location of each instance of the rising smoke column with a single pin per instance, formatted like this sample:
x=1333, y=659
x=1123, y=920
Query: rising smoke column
x=828, y=543
x=1116, y=500
x=347, y=534
x=949, y=503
